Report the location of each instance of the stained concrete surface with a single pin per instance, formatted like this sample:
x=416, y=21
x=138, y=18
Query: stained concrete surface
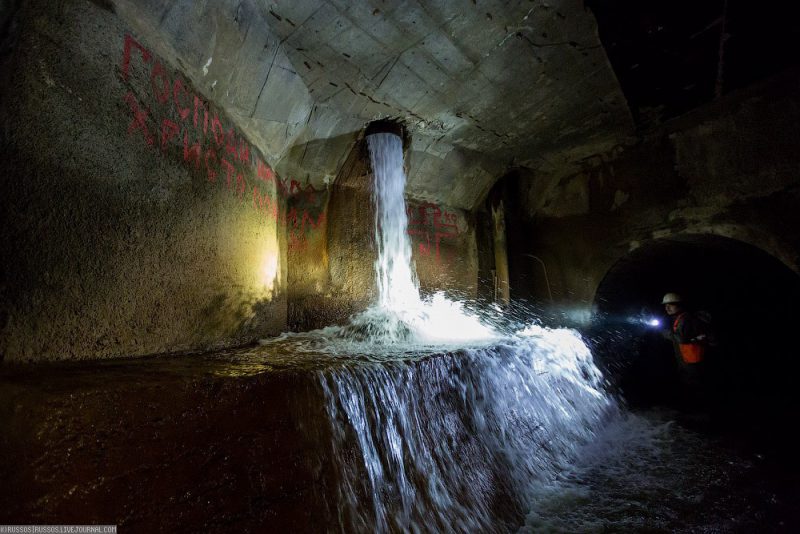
x=122, y=236
x=213, y=443
x=481, y=87
x=125, y=234
x=728, y=169
x=238, y=439
x=147, y=214
x=181, y=176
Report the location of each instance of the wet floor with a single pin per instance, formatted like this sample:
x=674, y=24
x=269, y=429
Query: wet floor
x=247, y=439
x=194, y=443
x=663, y=471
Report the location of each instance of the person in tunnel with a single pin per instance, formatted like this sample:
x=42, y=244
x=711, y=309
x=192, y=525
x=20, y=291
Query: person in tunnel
x=691, y=335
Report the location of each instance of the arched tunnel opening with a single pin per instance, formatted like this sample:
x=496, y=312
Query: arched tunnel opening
x=331, y=266
x=748, y=300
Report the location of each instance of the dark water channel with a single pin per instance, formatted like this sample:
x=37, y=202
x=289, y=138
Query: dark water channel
x=659, y=470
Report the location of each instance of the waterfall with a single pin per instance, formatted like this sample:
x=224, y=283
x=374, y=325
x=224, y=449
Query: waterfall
x=440, y=422
x=463, y=441
x=400, y=314
x=397, y=287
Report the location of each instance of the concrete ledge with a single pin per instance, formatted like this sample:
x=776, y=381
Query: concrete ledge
x=194, y=443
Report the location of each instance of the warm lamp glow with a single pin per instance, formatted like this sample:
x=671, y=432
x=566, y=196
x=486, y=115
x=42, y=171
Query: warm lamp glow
x=269, y=268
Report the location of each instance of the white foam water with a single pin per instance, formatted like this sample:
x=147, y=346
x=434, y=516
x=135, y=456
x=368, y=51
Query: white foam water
x=400, y=315
x=441, y=422
x=461, y=441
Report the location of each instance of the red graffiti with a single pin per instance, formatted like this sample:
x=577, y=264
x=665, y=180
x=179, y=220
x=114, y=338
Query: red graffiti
x=265, y=172
x=197, y=104
x=211, y=155
x=428, y=225
x=230, y=144
x=219, y=152
x=168, y=130
x=229, y=171
x=130, y=42
x=308, y=222
x=308, y=192
x=177, y=89
x=191, y=153
x=231, y=175
x=244, y=151
x=218, y=131
x=177, y=100
x=139, y=118
x=265, y=204
x=299, y=225
x=162, y=93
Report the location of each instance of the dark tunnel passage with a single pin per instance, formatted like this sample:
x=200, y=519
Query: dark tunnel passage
x=750, y=299
x=332, y=266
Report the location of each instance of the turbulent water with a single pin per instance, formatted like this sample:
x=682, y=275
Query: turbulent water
x=400, y=315
x=440, y=421
x=461, y=441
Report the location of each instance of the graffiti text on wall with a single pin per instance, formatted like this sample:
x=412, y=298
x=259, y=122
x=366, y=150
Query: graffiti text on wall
x=183, y=123
x=428, y=225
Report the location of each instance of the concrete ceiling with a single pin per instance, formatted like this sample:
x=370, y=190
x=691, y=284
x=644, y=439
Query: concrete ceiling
x=483, y=86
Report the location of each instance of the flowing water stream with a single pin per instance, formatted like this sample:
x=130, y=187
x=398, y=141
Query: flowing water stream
x=441, y=420
x=419, y=415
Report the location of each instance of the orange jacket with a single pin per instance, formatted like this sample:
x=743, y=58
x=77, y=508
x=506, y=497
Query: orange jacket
x=691, y=350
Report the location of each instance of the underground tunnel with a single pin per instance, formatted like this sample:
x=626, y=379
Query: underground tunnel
x=455, y=266
x=737, y=286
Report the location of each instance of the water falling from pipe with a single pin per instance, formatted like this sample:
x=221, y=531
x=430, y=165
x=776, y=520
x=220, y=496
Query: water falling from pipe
x=397, y=288
x=400, y=314
x=440, y=422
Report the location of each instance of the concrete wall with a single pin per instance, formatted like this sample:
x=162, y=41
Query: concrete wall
x=332, y=266
x=730, y=169
x=140, y=218
x=444, y=248
x=137, y=218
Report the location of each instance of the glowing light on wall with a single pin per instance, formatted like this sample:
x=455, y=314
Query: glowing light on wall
x=270, y=264
x=255, y=259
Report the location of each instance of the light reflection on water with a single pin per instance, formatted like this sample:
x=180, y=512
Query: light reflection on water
x=443, y=422
x=446, y=437
x=452, y=443
x=646, y=473
x=434, y=441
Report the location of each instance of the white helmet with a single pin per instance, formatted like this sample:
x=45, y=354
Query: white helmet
x=671, y=298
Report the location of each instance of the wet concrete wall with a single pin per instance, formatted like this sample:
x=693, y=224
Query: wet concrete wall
x=190, y=444
x=143, y=215
x=332, y=265
x=444, y=248
x=137, y=218
x=730, y=169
